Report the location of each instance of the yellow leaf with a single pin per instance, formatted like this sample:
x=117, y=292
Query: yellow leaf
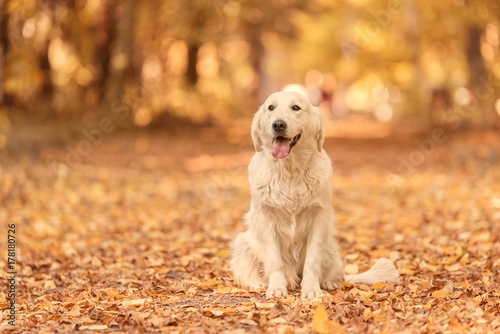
x=226, y=289
x=135, y=302
x=320, y=320
x=379, y=285
x=185, y=261
x=208, y=313
x=94, y=327
x=223, y=253
x=378, y=317
x=266, y=306
x=440, y=294
x=351, y=269
x=217, y=313
x=347, y=284
x=49, y=285
x=208, y=283
x=367, y=314
x=74, y=312
x=277, y=321
x=83, y=320
x=113, y=293
x=413, y=287
x=367, y=294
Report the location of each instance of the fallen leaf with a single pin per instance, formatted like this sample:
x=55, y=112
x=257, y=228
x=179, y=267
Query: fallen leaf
x=440, y=294
x=379, y=285
x=217, y=313
x=113, y=293
x=320, y=320
x=266, y=306
x=223, y=253
x=351, y=269
x=135, y=302
x=49, y=285
x=74, y=312
x=367, y=314
x=94, y=327
x=276, y=321
x=208, y=283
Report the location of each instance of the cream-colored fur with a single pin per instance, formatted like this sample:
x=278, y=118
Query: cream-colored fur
x=289, y=239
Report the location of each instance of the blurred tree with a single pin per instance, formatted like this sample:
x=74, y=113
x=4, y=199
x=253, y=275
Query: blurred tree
x=5, y=98
x=121, y=48
x=384, y=54
x=197, y=24
x=104, y=30
x=47, y=89
x=259, y=19
x=3, y=46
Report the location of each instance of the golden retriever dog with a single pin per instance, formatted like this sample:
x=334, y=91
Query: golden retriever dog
x=289, y=239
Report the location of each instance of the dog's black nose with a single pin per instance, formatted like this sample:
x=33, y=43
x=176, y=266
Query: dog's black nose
x=279, y=125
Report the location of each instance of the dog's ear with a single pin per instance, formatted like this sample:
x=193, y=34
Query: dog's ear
x=256, y=131
x=320, y=131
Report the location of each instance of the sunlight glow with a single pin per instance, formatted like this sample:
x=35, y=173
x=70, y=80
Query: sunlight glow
x=383, y=112
x=297, y=88
x=497, y=107
x=380, y=94
x=177, y=58
x=208, y=65
x=29, y=28
x=487, y=51
x=491, y=34
x=142, y=117
x=462, y=96
x=357, y=99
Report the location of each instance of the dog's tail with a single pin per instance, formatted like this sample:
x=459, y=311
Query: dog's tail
x=382, y=271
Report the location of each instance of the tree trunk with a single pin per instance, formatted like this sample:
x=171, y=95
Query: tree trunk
x=411, y=29
x=121, y=51
x=191, y=73
x=481, y=88
x=44, y=64
x=104, y=33
x=474, y=57
x=257, y=51
x=4, y=43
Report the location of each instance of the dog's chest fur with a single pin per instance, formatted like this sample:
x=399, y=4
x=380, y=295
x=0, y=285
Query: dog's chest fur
x=290, y=189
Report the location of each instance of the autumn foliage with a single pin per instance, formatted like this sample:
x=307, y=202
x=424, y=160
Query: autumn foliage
x=135, y=237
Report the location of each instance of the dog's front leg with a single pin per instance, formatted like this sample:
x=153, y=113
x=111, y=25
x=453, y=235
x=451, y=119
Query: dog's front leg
x=277, y=281
x=316, y=239
x=273, y=265
x=264, y=231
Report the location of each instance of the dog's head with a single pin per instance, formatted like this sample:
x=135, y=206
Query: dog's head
x=287, y=120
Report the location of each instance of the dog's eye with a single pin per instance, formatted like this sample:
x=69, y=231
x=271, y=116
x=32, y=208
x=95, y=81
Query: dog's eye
x=270, y=108
x=295, y=108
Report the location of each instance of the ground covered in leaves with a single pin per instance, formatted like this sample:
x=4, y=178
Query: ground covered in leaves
x=135, y=235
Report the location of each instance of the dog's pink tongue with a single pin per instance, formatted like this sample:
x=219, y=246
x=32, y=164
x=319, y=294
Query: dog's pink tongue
x=281, y=147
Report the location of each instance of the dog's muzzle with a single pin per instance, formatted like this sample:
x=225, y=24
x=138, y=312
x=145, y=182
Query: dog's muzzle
x=282, y=146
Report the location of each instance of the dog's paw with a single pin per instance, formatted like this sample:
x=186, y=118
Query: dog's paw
x=330, y=285
x=310, y=293
x=276, y=292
